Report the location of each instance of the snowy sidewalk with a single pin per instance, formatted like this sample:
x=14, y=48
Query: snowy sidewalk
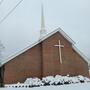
x=79, y=86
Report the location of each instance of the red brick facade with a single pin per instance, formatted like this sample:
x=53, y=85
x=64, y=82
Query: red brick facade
x=43, y=60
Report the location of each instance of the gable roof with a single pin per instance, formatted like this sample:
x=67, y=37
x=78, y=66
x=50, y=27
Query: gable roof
x=42, y=39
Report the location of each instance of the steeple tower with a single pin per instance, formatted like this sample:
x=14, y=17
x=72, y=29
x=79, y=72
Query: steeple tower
x=43, y=30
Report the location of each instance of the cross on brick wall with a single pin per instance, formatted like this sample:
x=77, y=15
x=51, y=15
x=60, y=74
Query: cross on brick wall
x=60, y=53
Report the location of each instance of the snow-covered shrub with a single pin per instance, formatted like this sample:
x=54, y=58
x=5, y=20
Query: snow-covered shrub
x=59, y=80
x=49, y=80
x=37, y=82
x=33, y=82
x=29, y=81
x=74, y=80
x=81, y=78
x=56, y=80
x=67, y=80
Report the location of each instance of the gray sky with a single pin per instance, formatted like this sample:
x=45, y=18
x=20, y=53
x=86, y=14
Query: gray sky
x=22, y=27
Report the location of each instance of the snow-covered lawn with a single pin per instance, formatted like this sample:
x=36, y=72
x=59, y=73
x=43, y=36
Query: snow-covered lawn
x=78, y=86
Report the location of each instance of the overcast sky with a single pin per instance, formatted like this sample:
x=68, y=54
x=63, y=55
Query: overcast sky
x=22, y=26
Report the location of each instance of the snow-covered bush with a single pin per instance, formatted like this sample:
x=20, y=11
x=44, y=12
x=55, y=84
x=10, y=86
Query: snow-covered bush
x=33, y=82
x=59, y=80
x=67, y=80
x=81, y=78
x=50, y=80
x=74, y=80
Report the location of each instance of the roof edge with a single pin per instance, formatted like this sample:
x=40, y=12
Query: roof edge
x=61, y=32
x=42, y=39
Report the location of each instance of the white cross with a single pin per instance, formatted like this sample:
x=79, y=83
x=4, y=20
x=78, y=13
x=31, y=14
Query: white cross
x=59, y=47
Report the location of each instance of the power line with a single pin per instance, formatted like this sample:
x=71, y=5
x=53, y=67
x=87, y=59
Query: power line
x=11, y=11
x=1, y=2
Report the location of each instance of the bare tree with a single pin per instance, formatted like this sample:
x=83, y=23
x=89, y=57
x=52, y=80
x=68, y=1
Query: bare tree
x=1, y=49
x=1, y=66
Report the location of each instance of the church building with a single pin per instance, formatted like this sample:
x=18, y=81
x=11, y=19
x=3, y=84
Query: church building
x=52, y=54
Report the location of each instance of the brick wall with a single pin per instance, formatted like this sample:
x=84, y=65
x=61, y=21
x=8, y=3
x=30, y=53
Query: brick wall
x=26, y=65
x=43, y=60
x=72, y=64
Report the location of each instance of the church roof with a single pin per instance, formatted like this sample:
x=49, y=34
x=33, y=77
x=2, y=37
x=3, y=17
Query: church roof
x=42, y=39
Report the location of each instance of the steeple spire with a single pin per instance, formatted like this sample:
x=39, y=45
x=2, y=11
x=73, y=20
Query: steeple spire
x=42, y=31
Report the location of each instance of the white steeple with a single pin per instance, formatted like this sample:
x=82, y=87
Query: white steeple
x=43, y=30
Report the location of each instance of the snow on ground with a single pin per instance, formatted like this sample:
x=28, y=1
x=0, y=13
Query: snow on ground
x=52, y=83
x=78, y=86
